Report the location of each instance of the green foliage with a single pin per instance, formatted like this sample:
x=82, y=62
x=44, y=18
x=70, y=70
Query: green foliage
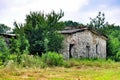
x=24, y=45
x=55, y=42
x=111, y=31
x=4, y=28
x=38, y=28
x=4, y=51
x=113, y=42
x=12, y=57
x=98, y=21
x=14, y=46
x=71, y=23
x=15, y=49
x=19, y=46
x=53, y=59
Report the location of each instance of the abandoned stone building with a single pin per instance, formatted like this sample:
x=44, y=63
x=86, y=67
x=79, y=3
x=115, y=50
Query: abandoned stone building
x=83, y=43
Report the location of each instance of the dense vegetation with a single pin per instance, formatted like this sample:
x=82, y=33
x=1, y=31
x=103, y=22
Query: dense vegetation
x=40, y=30
x=38, y=43
x=4, y=28
x=111, y=31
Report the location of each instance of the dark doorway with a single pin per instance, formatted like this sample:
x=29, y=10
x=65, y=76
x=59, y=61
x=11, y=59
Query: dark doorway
x=70, y=50
x=97, y=49
x=88, y=50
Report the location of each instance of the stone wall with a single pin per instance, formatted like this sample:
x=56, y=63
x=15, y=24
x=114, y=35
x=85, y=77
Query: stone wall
x=84, y=44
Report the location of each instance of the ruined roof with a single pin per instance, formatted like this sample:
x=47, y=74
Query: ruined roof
x=7, y=35
x=71, y=31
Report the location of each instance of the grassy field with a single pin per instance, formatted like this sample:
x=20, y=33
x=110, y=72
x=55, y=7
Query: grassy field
x=83, y=71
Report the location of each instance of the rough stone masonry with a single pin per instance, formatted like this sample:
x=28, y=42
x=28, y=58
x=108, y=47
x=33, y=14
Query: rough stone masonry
x=83, y=43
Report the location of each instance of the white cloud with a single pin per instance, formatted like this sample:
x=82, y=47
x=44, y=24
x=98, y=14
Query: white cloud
x=111, y=14
x=17, y=9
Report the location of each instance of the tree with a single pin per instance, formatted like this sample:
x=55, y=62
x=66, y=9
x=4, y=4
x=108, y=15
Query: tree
x=113, y=48
x=39, y=28
x=71, y=23
x=4, y=28
x=97, y=22
x=55, y=42
x=111, y=31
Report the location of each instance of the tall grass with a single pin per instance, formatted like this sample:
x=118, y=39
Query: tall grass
x=27, y=61
x=35, y=61
x=51, y=59
x=89, y=62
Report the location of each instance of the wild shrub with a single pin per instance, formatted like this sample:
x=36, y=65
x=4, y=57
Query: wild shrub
x=4, y=51
x=53, y=59
x=19, y=46
x=31, y=61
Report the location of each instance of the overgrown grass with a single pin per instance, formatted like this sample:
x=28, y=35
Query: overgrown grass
x=51, y=59
x=89, y=62
x=60, y=73
x=26, y=61
x=46, y=68
x=35, y=61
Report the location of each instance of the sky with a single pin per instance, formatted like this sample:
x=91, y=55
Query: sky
x=76, y=10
